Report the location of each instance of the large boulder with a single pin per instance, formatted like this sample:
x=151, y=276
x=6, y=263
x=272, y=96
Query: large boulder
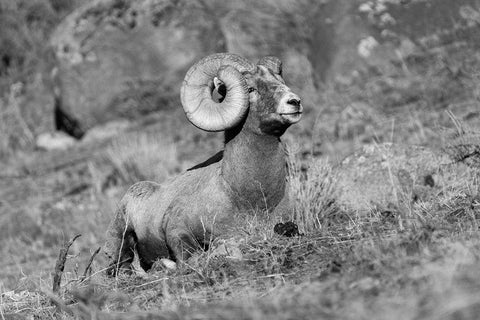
x=118, y=58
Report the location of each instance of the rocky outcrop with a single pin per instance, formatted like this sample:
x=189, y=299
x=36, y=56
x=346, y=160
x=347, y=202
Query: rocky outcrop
x=120, y=58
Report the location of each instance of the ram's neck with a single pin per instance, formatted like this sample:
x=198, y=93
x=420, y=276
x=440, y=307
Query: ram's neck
x=254, y=168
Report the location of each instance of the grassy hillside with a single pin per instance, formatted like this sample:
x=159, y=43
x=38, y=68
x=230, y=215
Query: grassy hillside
x=416, y=259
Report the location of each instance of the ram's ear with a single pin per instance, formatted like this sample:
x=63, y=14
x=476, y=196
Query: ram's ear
x=272, y=63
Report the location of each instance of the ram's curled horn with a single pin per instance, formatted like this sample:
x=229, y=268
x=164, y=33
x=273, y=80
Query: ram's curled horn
x=272, y=63
x=198, y=85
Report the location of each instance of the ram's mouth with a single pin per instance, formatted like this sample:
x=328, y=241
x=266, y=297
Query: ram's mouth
x=291, y=117
x=291, y=113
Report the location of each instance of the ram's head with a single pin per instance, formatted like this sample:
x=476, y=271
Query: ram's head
x=224, y=91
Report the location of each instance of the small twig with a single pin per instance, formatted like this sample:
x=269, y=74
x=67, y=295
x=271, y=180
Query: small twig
x=60, y=265
x=89, y=265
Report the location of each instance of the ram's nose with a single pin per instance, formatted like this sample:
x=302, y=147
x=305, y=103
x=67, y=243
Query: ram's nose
x=291, y=107
x=295, y=102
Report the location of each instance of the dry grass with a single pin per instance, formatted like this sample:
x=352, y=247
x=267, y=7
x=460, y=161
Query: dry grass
x=14, y=132
x=312, y=189
x=341, y=268
x=143, y=156
x=365, y=266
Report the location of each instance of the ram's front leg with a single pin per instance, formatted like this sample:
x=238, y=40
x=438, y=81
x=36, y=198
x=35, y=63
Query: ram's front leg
x=284, y=211
x=182, y=243
x=120, y=245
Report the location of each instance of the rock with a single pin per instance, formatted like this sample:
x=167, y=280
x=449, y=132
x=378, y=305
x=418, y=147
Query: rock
x=106, y=130
x=119, y=58
x=287, y=229
x=57, y=140
x=382, y=175
x=169, y=264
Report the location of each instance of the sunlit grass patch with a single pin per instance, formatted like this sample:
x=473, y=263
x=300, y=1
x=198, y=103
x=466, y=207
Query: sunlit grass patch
x=312, y=192
x=143, y=156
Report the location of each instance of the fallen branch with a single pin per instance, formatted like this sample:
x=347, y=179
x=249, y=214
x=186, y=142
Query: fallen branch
x=89, y=265
x=60, y=265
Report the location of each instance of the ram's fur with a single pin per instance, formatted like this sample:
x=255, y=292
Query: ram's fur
x=172, y=219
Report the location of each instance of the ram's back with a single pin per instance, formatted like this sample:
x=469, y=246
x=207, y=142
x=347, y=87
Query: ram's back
x=186, y=199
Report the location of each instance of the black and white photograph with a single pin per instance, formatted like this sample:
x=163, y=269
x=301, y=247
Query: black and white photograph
x=240, y=159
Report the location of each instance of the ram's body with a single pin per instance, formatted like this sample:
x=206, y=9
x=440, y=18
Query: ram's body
x=172, y=219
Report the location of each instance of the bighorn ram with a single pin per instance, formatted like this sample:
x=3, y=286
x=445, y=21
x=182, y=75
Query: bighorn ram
x=254, y=107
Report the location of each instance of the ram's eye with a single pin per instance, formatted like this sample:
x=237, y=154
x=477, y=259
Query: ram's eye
x=251, y=89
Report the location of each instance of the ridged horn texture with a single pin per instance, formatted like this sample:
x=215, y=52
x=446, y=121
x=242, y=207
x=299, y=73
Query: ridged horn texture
x=197, y=87
x=272, y=63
